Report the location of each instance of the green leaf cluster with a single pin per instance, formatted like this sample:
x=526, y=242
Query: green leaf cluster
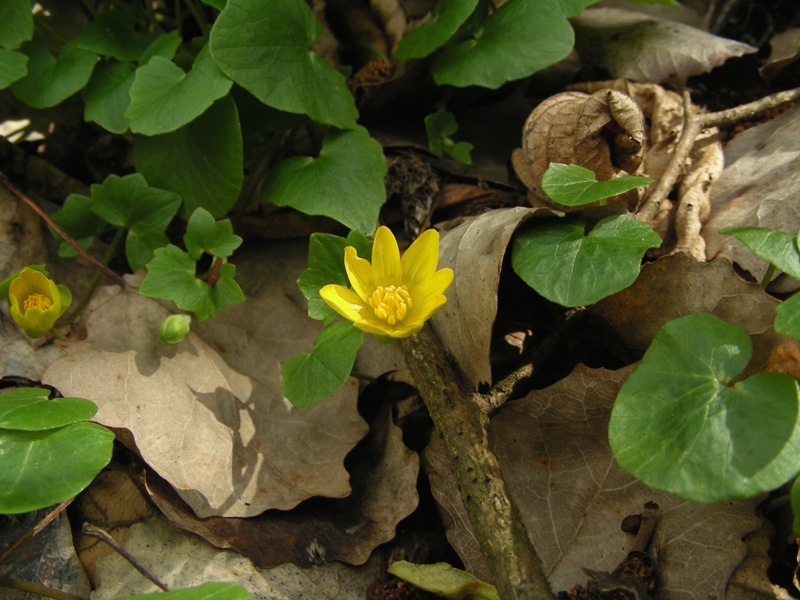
x=439, y=127
x=172, y=273
x=48, y=449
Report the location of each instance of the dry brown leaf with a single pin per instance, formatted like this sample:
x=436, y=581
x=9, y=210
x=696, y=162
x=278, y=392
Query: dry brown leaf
x=208, y=414
x=759, y=188
x=631, y=45
x=475, y=251
x=384, y=476
x=47, y=559
x=785, y=50
x=750, y=580
x=181, y=559
x=553, y=449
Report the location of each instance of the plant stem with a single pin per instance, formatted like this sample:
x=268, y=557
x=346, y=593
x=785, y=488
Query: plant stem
x=767, y=276
x=35, y=588
x=457, y=415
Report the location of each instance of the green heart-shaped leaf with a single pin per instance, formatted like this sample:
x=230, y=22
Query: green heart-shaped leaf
x=201, y=161
x=42, y=468
x=345, y=182
x=573, y=185
x=164, y=97
x=447, y=17
x=266, y=48
x=515, y=41
x=787, y=317
x=679, y=425
x=50, y=81
x=16, y=23
x=206, y=591
x=204, y=234
x=778, y=247
x=565, y=266
x=13, y=67
x=309, y=378
x=112, y=34
x=106, y=96
x=30, y=409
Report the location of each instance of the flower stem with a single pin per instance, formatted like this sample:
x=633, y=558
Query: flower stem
x=767, y=276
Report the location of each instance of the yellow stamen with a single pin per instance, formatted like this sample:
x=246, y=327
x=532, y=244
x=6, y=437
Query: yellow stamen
x=390, y=303
x=39, y=301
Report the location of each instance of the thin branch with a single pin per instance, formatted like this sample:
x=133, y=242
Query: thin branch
x=96, y=532
x=6, y=183
x=748, y=111
x=48, y=518
x=35, y=588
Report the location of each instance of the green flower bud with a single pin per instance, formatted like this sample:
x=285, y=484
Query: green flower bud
x=174, y=328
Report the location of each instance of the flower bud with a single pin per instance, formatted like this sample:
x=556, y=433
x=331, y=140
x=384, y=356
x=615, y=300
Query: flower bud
x=174, y=328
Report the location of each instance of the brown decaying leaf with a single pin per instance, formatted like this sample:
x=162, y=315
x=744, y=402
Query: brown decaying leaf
x=47, y=559
x=208, y=414
x=759, y=188
x=384, y=476
x=181, y=560
x=475, y=251
x=553, y=449
x=631, y=45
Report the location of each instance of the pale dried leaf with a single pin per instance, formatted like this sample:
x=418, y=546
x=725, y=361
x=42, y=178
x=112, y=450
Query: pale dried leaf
x=553, y=449
x=785, y=50
x=759, y=187
x=181, y=559
x=384, y=475
x=631, y=45
x=208, y=414
x=475, y=251
x=750, y=580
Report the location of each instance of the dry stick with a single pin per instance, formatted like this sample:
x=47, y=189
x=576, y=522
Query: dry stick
x=36, y=529
x=6, y=183
x=100, y=534
x=464, y=427
x=693, y=125
x=35, y=588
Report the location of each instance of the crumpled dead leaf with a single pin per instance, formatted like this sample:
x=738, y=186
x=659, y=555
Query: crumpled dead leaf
x=208, y=414
x=759, y=188
x=475, y=250
x=553, y=448
x=384, y=476
x=631, y=45
x=180, y=559
x=785, y=50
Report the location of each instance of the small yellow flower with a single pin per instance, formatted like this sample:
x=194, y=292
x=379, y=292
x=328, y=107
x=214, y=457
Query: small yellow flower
x=391, y=296
x=37, y=302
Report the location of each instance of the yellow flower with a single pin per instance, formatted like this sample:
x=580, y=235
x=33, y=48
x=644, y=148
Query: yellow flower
x=391, y=296
x=36, y=302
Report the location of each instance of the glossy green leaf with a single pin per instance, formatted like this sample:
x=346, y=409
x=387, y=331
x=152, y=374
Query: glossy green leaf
x=78, y=220
x=204, y=234
x=207, y=591
x=13, y=67
x=445, y=20
x=778, y=247
x=106, y=96
x=562, y=264
x=787, y=317
x=42, y=468
x=444, y=580
x=326, y=265
x=51, y=81
x=573, y=185
x=201, y=161
x=164, y=97
x=30, y=409
x=795, y=499
x=345, y=182
x=171, y=276
x=518, y=39
x=112, y=34
x=163, y=46
x=265, y=48
x=571, y=8
x=679, y=423
x=16, y=23
x=309, y=378
x=144, y=210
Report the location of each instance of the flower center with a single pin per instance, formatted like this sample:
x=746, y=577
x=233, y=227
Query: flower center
x=39, y=301
x=390, y=303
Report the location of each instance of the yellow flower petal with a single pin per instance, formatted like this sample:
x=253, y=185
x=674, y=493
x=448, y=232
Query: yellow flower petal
x=359, y=272
x=386, y=267
x=343, y=300
x=420, y=260
x=36, y=302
